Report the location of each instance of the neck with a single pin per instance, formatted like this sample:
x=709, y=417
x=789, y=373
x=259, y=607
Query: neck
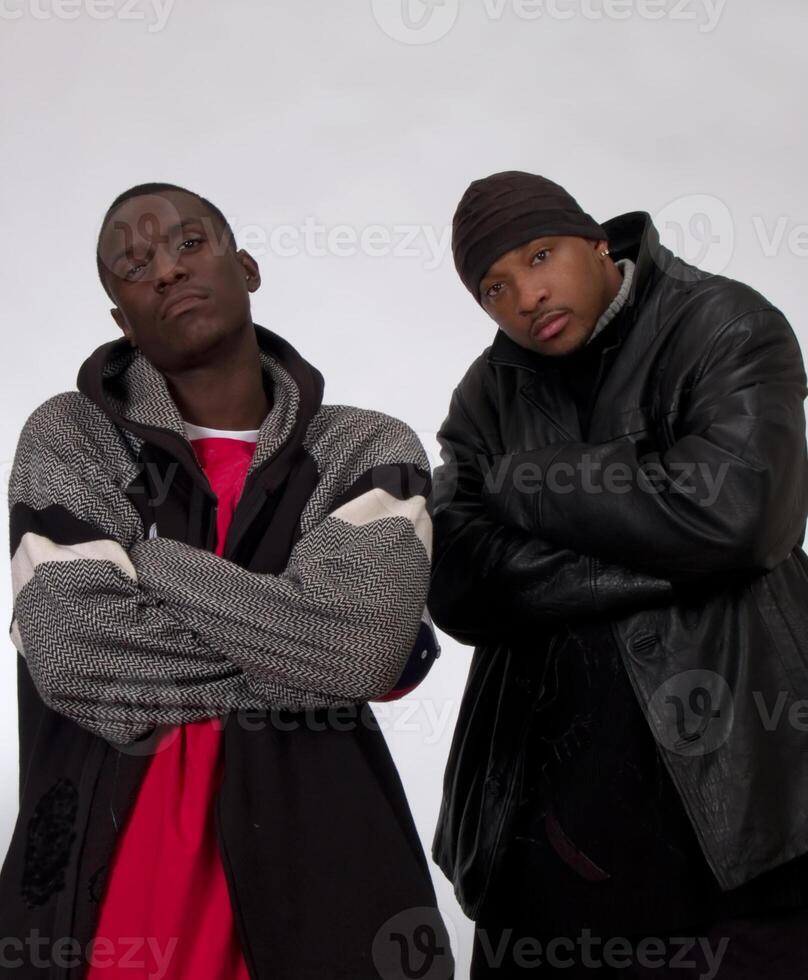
x=614, y=280
x=622, y=278
x=228, y=393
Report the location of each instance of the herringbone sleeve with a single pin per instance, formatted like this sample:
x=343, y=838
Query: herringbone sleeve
x=122, y=634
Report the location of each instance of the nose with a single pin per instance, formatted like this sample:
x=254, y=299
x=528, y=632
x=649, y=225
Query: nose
x=531, y=294
x=168, y=269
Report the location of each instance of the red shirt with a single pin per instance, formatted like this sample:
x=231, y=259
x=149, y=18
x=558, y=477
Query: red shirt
x=167, y=910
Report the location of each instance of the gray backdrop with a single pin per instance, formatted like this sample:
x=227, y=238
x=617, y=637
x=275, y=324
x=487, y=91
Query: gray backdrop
x=337, y=138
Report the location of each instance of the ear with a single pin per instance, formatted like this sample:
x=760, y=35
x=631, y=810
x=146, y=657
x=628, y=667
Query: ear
x=252, y=273
x=117, y=316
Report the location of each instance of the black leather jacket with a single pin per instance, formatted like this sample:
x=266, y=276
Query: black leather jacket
x=703, y=584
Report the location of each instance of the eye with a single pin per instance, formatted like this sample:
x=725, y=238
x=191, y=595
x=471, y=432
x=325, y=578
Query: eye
x=133, y=270
x=542, y=252
x=493, y=290
x=190, y=241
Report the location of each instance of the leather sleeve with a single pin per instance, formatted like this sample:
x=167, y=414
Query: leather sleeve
x=728, y=496
x=490, y=581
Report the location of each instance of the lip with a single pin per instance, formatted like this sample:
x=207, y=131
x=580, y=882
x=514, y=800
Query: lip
x=175, y=305
x=548, y=328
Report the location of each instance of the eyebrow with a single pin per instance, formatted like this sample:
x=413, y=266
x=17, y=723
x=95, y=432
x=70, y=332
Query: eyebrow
x=171, y=231
x=533, y=243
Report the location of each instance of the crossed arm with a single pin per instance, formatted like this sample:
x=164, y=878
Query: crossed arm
x=510, y=554
x=491, y=580
x=728, y=497
x=122, y=634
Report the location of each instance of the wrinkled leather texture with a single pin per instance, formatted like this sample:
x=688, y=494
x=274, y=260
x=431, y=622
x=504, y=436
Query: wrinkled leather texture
x=708, y=604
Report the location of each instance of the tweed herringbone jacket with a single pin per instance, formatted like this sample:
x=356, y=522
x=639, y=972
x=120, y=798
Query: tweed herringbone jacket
x=125, y=620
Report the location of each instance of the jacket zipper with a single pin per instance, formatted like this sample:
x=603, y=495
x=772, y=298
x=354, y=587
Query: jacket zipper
x=247, y=509
x=252, y=500
x=238, y=918
x=210, y=543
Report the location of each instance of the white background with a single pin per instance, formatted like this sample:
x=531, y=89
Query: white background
x=365, y=114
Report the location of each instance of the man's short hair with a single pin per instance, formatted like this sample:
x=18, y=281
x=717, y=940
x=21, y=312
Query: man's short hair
x=139, y=190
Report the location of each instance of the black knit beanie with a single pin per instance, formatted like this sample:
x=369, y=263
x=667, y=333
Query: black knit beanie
x=505, y=210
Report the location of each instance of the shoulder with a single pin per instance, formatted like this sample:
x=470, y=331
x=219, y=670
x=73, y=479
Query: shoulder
x=480, y=393
x=477, y=373
x=341, y=433
x=730, y=297
x=66, y=417
x=476, y=383
x=702, y=319
x=705, y=306
x=70, y=428
x=356, y=450
x=72, y=460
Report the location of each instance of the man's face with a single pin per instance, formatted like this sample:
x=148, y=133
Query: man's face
x=560, y=282
x=179, y=286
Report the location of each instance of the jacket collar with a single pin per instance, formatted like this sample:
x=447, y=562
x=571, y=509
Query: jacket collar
x=135, y=396
x=632, y=235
